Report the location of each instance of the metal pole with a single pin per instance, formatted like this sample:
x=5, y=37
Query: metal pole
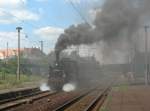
x=78, y=51
x=7, y=50
x=41, y=45
x=133, y=57
x=18, y=68
x=146, y=55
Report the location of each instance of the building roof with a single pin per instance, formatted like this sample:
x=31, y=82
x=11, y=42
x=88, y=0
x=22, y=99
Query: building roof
x=8, y=53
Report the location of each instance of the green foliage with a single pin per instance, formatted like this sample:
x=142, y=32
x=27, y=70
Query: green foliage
x=10, y=81
x=8, y=66
x=104, y=109
x=8, y=69
x=121, y=87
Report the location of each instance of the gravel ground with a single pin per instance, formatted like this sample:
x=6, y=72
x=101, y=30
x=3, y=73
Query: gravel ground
x=48, y=103
x=128, y=98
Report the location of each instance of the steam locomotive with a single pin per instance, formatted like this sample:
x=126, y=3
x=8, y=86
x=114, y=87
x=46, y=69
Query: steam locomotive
x=63, y=71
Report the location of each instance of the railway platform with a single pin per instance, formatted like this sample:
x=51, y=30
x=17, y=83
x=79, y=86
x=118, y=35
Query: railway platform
x=128, y=98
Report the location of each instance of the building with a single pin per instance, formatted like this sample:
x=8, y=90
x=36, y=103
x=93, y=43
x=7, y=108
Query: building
x=9, y=53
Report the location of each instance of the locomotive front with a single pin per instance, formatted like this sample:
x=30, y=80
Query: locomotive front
x=62, y=72
x=56, y=75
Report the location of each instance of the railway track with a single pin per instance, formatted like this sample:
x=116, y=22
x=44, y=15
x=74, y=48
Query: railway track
x=48, y=103
x=96, y=104
x=51, y=102
x=83, y=100
x=18, y=94
x=16, y=98
x=90, y=101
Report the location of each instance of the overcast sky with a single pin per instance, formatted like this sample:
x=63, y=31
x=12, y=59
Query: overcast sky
x=41, y=20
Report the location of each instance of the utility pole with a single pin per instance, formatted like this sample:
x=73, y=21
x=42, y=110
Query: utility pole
x=146, y=55
x=18, y=68
x=7, y=51
x=41, y=42
x=6, y=59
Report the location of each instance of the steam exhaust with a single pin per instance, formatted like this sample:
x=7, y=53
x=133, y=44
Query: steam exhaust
x=44, y=87
x=69, y=87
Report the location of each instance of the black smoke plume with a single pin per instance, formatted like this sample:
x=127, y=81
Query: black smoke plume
x=116, y=17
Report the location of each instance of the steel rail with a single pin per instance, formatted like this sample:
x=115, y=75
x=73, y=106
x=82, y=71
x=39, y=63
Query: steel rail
x=72, y=101
x=31, y=99
x=100, y=97
x=14, y=95
x=94, y=103
x=20, y=97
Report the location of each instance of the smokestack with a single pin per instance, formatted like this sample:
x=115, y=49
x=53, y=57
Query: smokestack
x=57, y=53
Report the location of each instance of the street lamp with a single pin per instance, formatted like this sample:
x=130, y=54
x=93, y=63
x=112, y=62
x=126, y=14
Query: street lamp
x=146, y=27
x=18, y=60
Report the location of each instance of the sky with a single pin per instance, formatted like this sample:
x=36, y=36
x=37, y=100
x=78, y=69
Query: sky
x=42, y=20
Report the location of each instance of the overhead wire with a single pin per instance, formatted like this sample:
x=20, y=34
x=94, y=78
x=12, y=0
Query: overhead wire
x=35, y=26
x=25, y=34
x=83, y=8
x=79, y=13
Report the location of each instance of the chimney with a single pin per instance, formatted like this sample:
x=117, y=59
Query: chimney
x=57, y=56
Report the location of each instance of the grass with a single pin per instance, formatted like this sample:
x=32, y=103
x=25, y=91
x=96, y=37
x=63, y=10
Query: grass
x=10, y=81
x=105, y=107
x=121, y=87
